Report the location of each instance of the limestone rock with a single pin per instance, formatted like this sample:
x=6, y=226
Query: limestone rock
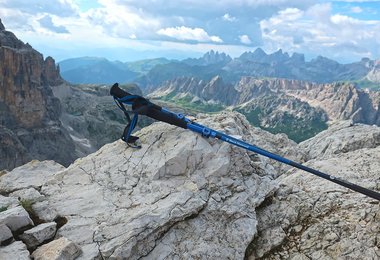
x=5, y=235
x=16, y=218
x=269, y=239
x=374, y=74
x=39, y=234
x=12, y=152
x=44, y=211
x=178, y=189
x=341, y=138
x=8, y=202
x=59, y=249
x=214, y=91
x=16, y=250
x=29, y=194
x=183, y=195
x=322, y=220
x=33, y=174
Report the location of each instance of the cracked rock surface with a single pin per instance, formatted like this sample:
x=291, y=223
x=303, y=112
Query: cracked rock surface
x=311, y=218
x=186, y=197
x=181, y=195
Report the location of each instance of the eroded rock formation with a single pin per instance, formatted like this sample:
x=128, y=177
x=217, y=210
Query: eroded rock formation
x=29, y=113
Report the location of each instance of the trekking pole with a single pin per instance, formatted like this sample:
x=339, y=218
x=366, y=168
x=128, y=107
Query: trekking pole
x=143, y=106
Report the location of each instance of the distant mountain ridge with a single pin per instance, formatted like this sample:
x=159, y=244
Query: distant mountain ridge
x=151, y=73
x=95, y=70
x=300, y=109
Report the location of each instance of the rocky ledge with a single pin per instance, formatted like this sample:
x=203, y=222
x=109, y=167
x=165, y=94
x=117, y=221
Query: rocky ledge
x=183, y=197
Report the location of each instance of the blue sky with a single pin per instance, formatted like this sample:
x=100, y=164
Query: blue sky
x=135, y=29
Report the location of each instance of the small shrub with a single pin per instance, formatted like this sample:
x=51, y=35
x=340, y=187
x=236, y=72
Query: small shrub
x=27, y=205
x=3, y=209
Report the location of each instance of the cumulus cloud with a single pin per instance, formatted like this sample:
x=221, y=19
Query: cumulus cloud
x=122, y=20
x=57, y=7
x=227, y=17
x=189, y=34
x=356, y=9
x=293, y=25
x=355, y=1
x=48, y=23
x=217, y=4
x=318, y=30
x=245, y=39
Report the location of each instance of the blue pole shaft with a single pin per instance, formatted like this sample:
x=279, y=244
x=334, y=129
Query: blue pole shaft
x=207, y=132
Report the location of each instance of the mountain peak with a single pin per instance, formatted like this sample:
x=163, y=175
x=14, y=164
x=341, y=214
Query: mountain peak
x=2, y=28
x=298, y=57
x=210, y=57
x=259, y=50
x=259, y=53
x=215, y=57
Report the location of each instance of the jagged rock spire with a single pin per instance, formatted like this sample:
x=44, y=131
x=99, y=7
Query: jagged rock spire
x=2, y=28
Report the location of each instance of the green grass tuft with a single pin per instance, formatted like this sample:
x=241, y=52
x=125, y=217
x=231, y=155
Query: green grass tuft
x=27, y=205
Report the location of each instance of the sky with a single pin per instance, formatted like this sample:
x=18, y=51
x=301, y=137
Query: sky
x=126, y=30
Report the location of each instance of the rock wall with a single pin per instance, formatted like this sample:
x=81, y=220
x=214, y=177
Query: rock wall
x=28, y=110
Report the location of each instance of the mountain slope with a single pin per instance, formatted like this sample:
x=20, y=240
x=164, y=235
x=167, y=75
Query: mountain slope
x=95, y=71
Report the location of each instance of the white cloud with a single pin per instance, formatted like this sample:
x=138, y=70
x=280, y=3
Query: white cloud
x=355, y=1
x=317, y=30
x=356, y=9
x=219, y=4
x=227, y=17
x=56, y=7
x=294, y=25
x=189, y=34
x=245, y=39
x=122, y=20
x=47, y=22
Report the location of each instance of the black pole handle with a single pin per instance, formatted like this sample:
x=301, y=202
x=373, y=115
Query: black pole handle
x=143, y=106
x=116, y=91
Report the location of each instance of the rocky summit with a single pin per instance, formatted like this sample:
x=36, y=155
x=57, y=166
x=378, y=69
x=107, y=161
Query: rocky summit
x=182, y=196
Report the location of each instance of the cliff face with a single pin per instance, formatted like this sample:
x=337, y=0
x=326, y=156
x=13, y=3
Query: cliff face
x=374, y=74
x=28, y=108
